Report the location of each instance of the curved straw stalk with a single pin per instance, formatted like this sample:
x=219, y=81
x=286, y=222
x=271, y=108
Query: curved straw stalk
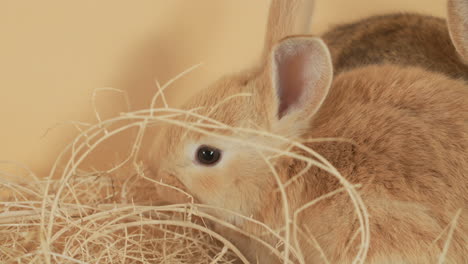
x=66, y=207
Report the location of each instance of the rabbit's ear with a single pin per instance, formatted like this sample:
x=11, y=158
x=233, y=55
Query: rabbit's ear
x=301, y=75
x=457, y=20
x=286, y=18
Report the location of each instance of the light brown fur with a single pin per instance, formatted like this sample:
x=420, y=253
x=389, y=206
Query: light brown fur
x=409, y=129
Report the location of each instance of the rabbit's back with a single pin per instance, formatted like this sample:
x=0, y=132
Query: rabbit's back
x=409, y=130
x=404, y=39
x=404, y=115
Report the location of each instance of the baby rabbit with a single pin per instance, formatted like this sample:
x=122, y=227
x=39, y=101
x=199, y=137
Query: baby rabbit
x=407, y=132
x=405, y=39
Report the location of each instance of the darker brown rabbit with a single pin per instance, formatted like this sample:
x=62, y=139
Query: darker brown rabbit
x=405, y=39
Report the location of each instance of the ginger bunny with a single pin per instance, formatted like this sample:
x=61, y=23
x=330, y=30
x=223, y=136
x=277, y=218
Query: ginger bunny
x=405, y=147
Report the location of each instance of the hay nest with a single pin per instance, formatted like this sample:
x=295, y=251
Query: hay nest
x=78, y=216
x=99, y=218
x=115, y=216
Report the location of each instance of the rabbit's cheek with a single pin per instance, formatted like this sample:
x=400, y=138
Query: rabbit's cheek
x=206, y=184
x=174, y=193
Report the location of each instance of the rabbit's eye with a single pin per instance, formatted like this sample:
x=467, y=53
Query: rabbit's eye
x=207, y=155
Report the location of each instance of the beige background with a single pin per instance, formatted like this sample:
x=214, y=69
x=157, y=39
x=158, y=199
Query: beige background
x=54, y=53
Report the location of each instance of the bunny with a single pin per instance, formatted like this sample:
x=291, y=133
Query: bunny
x=404, y=39
x=407, y=140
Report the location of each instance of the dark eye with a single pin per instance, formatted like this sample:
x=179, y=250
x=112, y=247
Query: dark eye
x=207, y=155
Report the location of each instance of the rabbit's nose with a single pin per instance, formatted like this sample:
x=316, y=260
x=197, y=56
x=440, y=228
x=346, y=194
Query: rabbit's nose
x=154, y=169
x=170, y=189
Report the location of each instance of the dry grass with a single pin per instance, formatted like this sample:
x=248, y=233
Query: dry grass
x=92, y=223
x=76, y=216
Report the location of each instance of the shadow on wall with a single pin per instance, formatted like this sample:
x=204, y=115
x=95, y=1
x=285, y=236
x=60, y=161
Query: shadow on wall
x=216, y=33
x=164, y=55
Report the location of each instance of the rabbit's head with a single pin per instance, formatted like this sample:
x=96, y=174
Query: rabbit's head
x=218, y=150
x=213, y=152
